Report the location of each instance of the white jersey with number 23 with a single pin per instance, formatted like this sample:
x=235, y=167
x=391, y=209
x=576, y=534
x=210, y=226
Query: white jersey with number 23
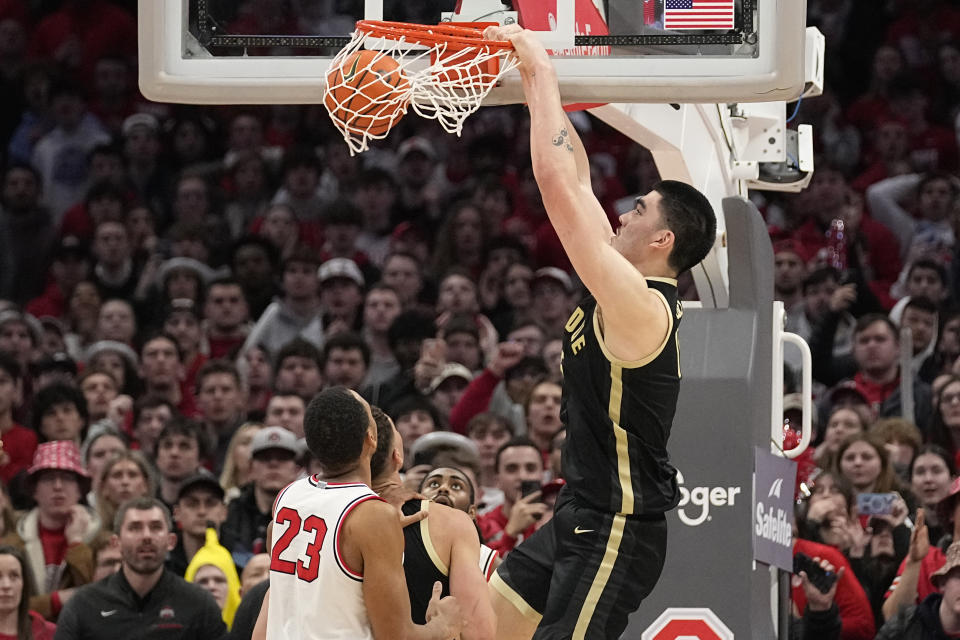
x=313, y=593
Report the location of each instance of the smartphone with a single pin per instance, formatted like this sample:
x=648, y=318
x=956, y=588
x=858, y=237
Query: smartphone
x=819, y=577
x=529, y=486
x=875, y=504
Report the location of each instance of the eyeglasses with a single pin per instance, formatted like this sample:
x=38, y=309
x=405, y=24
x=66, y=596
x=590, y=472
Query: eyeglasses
x=950, y=398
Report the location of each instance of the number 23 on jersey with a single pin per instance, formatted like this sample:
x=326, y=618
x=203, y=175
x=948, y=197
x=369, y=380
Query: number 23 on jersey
x=304, y=570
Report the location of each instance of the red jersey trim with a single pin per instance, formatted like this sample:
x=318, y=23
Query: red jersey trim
x=277, y=500
x=350, y=573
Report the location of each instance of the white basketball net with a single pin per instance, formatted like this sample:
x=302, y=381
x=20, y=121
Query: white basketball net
x=445, y=82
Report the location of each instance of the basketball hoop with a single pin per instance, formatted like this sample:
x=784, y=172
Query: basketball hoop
x=442, y=71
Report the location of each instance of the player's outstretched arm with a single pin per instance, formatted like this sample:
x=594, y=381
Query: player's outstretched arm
x=579, y=155
x=374, y=530
x=573, y=209
x=559, y=159
x=467, y=582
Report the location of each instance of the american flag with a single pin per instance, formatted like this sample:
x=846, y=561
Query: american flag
x=698, y=14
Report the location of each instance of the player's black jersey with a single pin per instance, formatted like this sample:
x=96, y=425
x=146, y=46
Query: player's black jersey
x=618, y=414
x=421, y=565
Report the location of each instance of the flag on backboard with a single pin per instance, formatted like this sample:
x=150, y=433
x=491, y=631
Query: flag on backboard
x=698, y=14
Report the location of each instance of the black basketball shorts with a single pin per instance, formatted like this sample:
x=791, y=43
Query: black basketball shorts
x=584, y=572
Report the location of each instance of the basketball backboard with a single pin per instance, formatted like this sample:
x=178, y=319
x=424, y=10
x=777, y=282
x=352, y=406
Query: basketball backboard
x=674, y=51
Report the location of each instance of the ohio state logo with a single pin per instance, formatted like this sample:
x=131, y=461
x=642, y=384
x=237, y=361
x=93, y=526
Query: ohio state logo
x=677, y=623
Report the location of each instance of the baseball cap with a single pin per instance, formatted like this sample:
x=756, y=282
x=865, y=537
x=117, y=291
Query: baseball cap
x=785, y=246
x=416, y=143
x=789, y=245
x=33, y=325
x=793, y=402
x=54, y=324
x=70, y=246
x=340, y=268
x=450, y=370
x=556, y=274
x=202, y=271
x=443, y=440
x=847, y=388
x=56, y=362
x=140, y=120
x=113, y=346
x=274, y=438
x=204, y=480
x=953, y=562
x=181, y=304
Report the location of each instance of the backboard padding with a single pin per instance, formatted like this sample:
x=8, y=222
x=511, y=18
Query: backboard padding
x=760, y=60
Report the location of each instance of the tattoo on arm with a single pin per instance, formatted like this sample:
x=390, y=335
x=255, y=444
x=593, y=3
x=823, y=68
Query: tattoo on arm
x=562, y=140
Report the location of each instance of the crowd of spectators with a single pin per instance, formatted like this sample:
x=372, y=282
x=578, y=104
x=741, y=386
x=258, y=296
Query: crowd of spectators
x=177, y=282
x=866, y=253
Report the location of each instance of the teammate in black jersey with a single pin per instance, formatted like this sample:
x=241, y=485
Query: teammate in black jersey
x=443, y=548
x=587, y=569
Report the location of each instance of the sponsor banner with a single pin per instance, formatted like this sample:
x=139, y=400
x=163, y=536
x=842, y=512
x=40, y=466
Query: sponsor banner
x=774, y=479
x=696, y=502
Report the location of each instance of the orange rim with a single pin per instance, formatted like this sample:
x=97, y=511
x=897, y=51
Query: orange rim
x=429, y=35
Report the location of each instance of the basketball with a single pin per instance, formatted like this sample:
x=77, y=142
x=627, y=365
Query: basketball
x=367, y=93
x=458, y=72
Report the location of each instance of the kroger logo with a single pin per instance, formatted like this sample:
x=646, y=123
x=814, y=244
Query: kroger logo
x=695, y=503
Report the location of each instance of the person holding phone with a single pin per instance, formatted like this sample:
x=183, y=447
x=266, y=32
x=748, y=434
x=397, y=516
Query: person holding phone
x=820, y=620
x=863, y=460
x=853, y=606
x=519, y=466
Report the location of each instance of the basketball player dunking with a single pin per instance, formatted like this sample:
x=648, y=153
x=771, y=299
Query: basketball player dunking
x=587, y=569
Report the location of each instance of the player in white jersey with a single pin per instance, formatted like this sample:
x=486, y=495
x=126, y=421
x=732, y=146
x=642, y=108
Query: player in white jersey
x=336, y=567
x=308, y=521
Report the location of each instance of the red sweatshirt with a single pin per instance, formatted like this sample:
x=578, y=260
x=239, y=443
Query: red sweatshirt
x=930, y=564
x=492, y=527
x=856, y=617
x=20, y=444
x=475, y=399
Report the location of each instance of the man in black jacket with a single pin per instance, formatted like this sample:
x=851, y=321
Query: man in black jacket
x=938, y=616
x=142, y=599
